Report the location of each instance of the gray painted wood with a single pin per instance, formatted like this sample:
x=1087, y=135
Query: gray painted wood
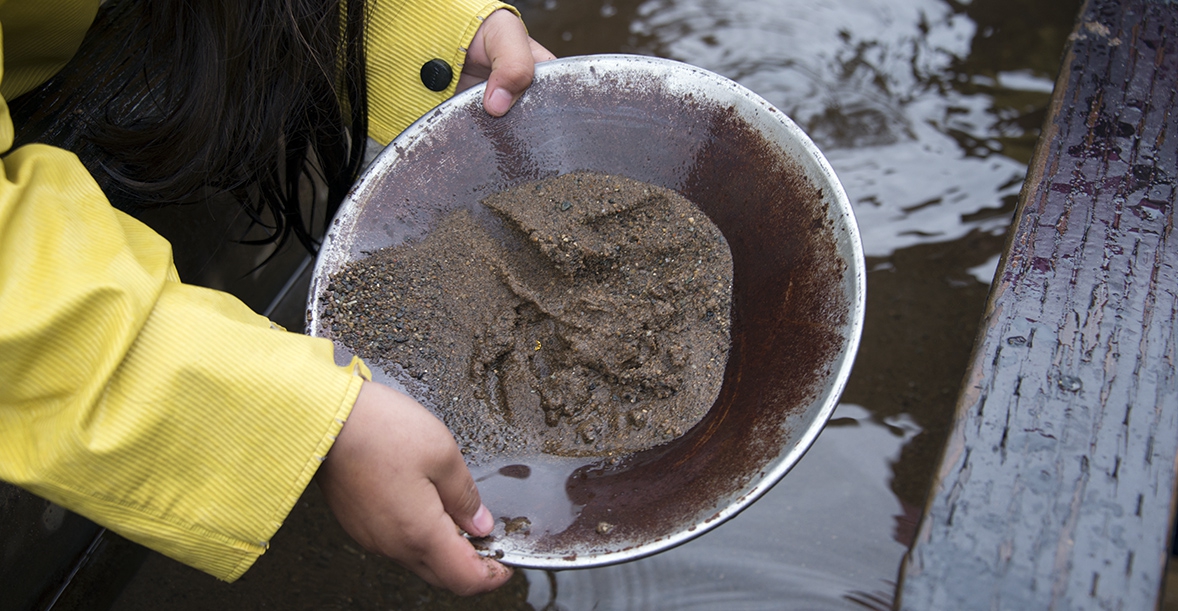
x=1056, y=490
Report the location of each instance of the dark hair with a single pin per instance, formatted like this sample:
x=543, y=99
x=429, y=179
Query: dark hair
x=263, y=99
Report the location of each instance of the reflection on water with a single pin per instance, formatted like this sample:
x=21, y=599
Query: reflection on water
x=913, y=123
x=863, y=78
x=514, y=490
x=928, y=110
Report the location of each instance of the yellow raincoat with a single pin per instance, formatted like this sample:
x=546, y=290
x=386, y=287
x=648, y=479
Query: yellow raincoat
x=170, y=413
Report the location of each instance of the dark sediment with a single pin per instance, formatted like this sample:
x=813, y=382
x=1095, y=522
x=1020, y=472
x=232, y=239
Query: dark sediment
x=590, y=319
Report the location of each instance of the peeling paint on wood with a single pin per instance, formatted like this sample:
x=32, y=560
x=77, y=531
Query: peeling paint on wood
x=1056, y=489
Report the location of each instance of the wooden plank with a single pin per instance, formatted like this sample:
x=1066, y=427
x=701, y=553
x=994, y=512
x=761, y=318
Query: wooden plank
x=1056, y=489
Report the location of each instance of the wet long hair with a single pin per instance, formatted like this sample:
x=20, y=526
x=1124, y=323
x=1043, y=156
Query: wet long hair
x=262, y=99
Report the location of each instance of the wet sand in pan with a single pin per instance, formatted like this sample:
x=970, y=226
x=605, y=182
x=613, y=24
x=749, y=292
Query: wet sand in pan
x=591, y=320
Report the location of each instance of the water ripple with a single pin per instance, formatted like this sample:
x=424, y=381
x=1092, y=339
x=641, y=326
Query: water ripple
x=872, y=82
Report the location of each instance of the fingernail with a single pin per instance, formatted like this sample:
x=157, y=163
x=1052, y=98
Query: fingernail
x=499, y=102
x=483, y=521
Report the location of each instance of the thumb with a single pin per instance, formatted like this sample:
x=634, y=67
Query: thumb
x=512, y=66
x=460, y=497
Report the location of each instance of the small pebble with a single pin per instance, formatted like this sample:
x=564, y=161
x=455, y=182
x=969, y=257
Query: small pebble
x=1070, y=383
x=517, y=525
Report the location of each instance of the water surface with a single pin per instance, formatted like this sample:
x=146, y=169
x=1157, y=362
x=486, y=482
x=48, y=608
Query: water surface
x=928, y=111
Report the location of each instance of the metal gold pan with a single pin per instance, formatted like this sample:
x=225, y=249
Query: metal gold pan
x=798, y=287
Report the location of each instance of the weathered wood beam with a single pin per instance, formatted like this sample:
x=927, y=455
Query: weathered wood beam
x=1056, y=489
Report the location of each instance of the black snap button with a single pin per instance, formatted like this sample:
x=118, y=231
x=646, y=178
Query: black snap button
x=436, y=75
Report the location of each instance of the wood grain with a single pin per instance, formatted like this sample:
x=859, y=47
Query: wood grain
x=1056, y=489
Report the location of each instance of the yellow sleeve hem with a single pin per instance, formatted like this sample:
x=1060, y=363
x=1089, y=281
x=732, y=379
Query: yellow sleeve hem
x=310, y=468
x=224, y=557
x=169, y=413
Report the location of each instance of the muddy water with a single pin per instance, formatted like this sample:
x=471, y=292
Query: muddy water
x=928, y=110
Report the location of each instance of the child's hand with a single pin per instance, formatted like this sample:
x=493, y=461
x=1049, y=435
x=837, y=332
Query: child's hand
x=398, y=485
x=503, y=55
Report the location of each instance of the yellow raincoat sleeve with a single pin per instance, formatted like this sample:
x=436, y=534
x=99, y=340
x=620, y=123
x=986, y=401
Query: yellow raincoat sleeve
x=169, y=413
x=402, y=36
